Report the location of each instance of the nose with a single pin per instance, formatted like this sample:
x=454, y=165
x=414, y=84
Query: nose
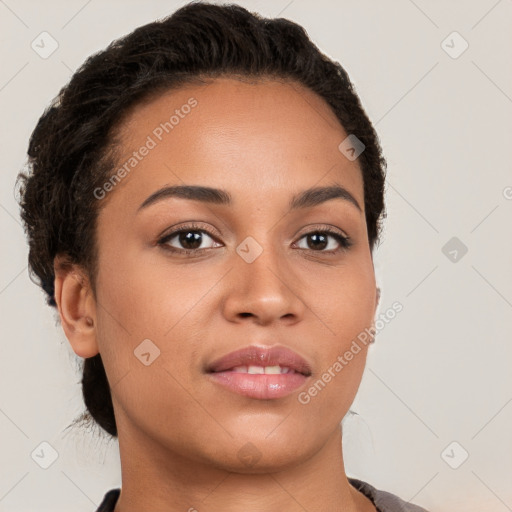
x=264, y=290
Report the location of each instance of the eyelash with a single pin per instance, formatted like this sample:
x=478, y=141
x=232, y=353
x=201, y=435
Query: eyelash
x=344, y=241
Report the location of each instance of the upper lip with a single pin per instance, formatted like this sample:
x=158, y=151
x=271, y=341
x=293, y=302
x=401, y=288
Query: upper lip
x=261, y=356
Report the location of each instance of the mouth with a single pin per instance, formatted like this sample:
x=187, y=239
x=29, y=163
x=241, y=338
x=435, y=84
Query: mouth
x=260, y=373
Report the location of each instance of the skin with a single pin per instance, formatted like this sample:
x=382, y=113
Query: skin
x=179, y=433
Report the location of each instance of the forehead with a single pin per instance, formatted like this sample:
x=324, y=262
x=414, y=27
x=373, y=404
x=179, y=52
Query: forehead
x=263, y=135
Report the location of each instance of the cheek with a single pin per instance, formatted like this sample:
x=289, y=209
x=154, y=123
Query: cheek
x=345, y=307
x=138, y=301
x=342, y=358
x=344, y=302
x=143, y=296
x=330, y=394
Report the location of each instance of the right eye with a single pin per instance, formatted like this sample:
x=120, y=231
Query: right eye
x=190, y=238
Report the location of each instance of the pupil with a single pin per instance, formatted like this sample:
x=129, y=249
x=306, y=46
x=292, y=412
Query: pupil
x=316, y=237
x=190, y=238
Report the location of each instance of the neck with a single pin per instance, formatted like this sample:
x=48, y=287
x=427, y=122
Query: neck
x=155, y=479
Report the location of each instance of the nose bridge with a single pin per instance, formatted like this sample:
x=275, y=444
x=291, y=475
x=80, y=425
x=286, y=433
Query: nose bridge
x=262, y=281
x=260, y=261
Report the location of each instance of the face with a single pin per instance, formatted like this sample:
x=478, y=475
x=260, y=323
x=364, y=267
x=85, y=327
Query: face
x=184, y=282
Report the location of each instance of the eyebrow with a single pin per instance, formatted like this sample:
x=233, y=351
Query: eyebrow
x=305, y=199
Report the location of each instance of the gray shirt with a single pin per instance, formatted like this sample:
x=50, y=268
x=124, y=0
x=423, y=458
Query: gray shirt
x=384, y=501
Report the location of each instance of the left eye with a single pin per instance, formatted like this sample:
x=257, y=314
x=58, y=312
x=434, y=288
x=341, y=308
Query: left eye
x=317, y=241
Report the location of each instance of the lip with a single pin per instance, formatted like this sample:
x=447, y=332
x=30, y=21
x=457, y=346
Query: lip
x=260, y=386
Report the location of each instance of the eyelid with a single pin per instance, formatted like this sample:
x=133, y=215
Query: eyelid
x=312, y=228
x=188, y=226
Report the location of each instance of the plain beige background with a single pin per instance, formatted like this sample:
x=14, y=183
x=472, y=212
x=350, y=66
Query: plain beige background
x=438, y=384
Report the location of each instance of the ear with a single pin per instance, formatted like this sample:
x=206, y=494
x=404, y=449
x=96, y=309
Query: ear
x=76, y=305
x=377, y=300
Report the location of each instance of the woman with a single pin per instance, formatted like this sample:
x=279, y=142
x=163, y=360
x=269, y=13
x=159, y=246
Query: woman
x=204, y=200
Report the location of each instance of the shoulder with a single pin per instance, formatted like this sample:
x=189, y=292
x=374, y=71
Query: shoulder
x=384, y=501
x=109, y=500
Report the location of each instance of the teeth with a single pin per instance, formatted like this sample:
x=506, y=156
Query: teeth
x=273, y=369
x=259, y=370
x=255, y=369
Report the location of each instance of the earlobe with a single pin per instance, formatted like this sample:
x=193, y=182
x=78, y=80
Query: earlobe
x=76, y=308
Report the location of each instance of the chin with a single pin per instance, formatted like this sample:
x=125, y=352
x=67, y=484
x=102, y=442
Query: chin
x=261, y=455
x=264, y=465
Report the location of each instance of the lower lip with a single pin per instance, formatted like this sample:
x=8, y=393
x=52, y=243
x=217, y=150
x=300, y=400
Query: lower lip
x=260, y=386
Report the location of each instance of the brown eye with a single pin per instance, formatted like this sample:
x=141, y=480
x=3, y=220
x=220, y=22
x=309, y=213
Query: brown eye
x=187, y=240
x=318, y=241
